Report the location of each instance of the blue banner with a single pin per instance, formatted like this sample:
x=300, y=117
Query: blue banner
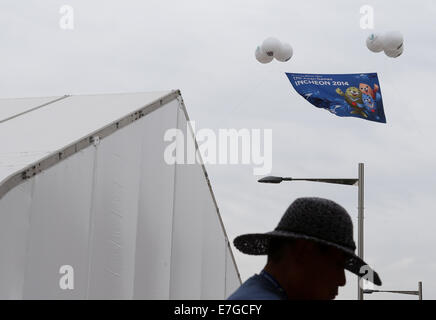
x=345, y=95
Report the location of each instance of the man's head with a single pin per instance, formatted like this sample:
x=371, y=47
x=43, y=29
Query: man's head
x=306, y=269
x=319, y=245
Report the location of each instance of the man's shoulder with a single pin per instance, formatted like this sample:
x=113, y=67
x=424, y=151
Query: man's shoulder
x=257, y=288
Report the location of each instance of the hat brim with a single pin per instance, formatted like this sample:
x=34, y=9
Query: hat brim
x=257, y=244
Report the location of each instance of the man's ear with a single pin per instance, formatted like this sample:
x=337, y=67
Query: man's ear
x=301, y=248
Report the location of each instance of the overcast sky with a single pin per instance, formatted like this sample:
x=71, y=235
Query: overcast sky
x=206, y=49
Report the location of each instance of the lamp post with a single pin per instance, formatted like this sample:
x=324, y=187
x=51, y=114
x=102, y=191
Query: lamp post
x=360, y=183
x=415, y=293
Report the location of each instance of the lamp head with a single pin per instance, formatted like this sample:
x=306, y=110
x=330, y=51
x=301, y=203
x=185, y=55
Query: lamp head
x=270, y=179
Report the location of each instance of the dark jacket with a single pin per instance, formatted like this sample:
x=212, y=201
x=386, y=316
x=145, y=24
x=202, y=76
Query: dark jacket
x=259, y=287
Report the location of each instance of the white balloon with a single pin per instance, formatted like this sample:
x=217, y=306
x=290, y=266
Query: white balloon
x=261, y=56
x=375, y=42
x=284, y=53
x=392, y=40
x=394, y=53
x=271, y=45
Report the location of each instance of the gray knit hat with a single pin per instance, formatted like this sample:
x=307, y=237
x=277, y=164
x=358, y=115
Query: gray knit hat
x=316, y=219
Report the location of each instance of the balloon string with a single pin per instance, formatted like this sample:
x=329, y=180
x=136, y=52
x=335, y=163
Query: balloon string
x=243, y=100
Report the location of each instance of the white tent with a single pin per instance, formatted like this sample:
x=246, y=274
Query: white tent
x=83, y=183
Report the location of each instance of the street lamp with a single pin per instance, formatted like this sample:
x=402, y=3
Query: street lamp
x=360, y=183
x=272, y=179
x=415, y=293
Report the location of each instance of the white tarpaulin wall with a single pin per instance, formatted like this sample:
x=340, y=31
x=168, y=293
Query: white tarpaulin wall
x=130, y=225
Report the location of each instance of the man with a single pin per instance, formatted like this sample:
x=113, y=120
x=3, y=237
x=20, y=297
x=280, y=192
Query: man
x=307, y=254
